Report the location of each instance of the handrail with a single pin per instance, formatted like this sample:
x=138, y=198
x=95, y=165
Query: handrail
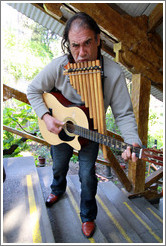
x=41, y=141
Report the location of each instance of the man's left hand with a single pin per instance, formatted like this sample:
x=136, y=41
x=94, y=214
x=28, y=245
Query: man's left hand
x=127, y=155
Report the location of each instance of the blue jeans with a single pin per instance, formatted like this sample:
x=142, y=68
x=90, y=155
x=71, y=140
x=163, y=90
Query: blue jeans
x=61, y=155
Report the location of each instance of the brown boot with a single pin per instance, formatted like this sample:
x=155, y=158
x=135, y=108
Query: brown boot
x=88, y=228
x=51, y=199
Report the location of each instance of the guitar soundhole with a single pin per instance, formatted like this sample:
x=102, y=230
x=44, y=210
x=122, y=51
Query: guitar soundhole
x=64, y=137
x=70, y=126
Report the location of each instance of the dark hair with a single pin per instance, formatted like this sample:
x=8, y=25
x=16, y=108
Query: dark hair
x=86, y=21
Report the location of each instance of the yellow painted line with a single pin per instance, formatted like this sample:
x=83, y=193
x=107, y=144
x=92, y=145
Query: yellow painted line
x=143, y=223
x=156, y=215
x=116, y=223
x=36, y=234
x=77, y=209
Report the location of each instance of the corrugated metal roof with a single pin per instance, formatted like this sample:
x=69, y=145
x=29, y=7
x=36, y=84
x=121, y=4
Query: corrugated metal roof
x=137, y=9
x=38, y=16
x=47, y=21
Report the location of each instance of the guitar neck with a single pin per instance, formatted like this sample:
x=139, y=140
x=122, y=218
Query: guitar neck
x=104, y=139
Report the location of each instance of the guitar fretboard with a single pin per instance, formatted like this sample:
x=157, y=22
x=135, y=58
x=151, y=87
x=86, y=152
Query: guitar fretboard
x=101, y=138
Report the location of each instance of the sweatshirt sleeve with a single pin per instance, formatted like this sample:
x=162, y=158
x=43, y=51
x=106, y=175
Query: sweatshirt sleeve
x=43, y=82
x=118, y=97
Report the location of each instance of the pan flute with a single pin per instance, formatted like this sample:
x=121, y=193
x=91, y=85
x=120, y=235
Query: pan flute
x=85, y=77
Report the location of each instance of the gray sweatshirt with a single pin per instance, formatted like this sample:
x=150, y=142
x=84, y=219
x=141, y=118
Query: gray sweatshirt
x=115, y=94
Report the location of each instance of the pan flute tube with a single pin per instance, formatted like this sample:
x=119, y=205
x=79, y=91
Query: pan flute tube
x=76, y=80
x=96, y=92
x=88, y=92
x=84, y=84
x=70, y=75
x=101, y=109
x=72, y=78
x=100, y=98
x=80, y=79
x=92, y=89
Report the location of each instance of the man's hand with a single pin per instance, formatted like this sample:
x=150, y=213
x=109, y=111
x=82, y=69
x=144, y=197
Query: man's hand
x=126, y=155
x=53, y=125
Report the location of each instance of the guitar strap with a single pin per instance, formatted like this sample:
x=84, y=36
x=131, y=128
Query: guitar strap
x=102, y=73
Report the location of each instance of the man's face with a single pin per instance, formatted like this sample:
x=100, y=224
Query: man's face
x=83, y=44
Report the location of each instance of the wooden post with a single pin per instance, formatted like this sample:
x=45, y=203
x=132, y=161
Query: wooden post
x=140, y=100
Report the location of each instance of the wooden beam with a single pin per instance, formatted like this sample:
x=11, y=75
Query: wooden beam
x=140, y=100
x=136, y=175
x=155, y=17
x=114, y=135
x=53, y=10
x=57, y=14
x=118, y=170
x=137, y=64
x=25, y=135
x=9, y=92
x=154, y=177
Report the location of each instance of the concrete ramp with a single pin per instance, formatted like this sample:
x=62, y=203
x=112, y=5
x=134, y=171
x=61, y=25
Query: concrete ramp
x=27, y=220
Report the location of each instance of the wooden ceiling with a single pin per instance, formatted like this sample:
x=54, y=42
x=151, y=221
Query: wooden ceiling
x=133, y=41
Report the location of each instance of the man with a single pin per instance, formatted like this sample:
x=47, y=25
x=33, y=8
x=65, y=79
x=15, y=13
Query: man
x=82, y=40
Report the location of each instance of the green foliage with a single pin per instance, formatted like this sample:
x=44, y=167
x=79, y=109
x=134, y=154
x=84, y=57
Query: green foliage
x=110, y=122
x=19, y=114
x=24, y=55
x=74, y=158
x=43, y=151
x=24, y=64
x=155, y=128
x=9, y=38
x=40, y=49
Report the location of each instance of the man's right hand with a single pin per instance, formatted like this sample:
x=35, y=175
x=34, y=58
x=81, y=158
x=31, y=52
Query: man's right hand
x=53, y=125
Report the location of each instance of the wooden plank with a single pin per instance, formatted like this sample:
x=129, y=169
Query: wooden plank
x=9, y=92
x=136, y=62
x=26, y=135
x=154, y=177
x=136, y=175
x=155, y=17
x=118, y=170
x=53, y=9
x=140, y=100
x=114, y=135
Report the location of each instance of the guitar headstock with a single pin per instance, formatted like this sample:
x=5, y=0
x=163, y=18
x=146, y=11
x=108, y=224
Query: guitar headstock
x=154, y=156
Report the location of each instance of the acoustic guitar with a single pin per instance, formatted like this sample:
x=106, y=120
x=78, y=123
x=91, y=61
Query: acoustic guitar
x=77, y=124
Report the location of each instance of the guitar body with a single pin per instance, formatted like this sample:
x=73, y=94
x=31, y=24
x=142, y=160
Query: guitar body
x=65, y=114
